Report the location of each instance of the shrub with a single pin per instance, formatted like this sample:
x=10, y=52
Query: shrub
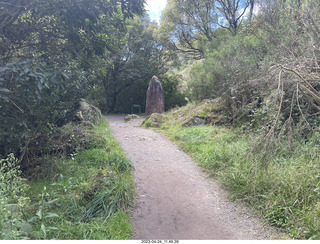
x=38, y=98
x=173, y=97
x=12, y=201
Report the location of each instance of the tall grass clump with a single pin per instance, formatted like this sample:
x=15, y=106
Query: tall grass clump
x=282, y=185
x=86, y=197
x=285, y=188
x=108, y=201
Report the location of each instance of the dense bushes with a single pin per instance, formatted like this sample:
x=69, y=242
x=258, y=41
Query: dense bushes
x=173, y=97
x=52, y=54
x=136, y=94
x=38, y=100
x=276, y=52
x=227, y=64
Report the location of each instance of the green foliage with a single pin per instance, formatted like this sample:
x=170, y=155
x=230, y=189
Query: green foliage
x=99, y=157
x=189, y=25
x=202, y=83
x=234, y=12
x=40, y=98
x=227, y=65
x=108, y=201
x=70, y=203
x=43, y=218
x=117, y=228
x=96, y=97
x=282, y=185
x=140, y=54
x=118, y=162
x=49, y=55
x=135, y=93
x=267, y=55
x=61, y=30
x=13, y=200
x=173, y=97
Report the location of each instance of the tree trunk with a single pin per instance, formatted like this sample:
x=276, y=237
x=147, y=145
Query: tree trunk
x=252, y=2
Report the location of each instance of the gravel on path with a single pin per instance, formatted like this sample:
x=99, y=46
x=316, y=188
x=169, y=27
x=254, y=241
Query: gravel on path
x=176, y=200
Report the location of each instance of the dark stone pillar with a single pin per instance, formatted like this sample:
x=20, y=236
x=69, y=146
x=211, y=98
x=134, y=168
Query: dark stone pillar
x=155, y=97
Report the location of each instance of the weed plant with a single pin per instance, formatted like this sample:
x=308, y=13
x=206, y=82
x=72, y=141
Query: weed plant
x=13, y=200
x=86, y=197
x=283, y=185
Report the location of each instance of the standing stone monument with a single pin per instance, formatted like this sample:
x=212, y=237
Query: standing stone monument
x=155, y=97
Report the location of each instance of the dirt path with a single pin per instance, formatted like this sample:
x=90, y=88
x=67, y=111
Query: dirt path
x=176, y=200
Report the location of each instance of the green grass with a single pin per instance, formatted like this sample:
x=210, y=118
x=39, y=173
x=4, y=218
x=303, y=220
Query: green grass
x=283, y=186
x=86, y=198
x=117, y=227
x=117, y=195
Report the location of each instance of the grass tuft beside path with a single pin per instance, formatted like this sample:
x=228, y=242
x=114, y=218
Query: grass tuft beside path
x=86, y=197
x=283, y=186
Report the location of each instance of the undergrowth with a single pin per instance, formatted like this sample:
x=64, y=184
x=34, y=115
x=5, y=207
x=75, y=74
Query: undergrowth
x=86, y=197
x=284, y=185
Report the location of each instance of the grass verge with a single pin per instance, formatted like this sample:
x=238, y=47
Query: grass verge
x=85, y=198
x=284, y=186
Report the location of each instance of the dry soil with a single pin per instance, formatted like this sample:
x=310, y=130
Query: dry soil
x=176, y=200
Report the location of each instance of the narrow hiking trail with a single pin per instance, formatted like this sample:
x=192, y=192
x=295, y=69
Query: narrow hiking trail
x=175, y=198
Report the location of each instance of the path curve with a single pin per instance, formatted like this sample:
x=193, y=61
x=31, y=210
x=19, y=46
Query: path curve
x=176, y=200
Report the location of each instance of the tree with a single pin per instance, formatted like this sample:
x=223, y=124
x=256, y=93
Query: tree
x=189, y=25
x=53, y=29
x=140, y=56
x=46, y=49
x=233, y=12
